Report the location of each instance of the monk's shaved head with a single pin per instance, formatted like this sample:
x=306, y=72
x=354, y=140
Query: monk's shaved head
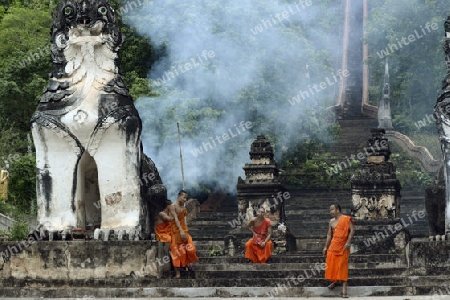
x=336, y=206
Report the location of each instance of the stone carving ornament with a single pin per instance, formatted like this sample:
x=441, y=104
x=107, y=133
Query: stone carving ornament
x=373, y=207
x=86, y=123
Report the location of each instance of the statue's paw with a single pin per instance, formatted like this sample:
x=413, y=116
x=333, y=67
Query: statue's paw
x=51, y=233
x=119, y=234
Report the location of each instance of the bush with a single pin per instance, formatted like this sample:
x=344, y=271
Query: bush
x=22, y=183
x=19, y=230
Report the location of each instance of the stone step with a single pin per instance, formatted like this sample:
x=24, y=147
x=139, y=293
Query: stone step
x=230, y=281
x=297, y=267
x=305, y=258
x=377, y=273
x=212, y=233
x=218, y=224
x=216, y=218
x=211, y=292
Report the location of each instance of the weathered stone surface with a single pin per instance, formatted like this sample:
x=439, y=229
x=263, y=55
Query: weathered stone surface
x=435, y=206
x=44, y=266
x=442, y=117
x=72, y=260
x=375, y=188
x=91, y=170
x=430, y=258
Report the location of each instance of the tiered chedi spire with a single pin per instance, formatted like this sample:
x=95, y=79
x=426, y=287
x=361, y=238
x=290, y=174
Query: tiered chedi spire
x=384, y=107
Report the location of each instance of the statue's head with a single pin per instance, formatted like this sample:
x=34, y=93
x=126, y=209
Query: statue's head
x=77, y=22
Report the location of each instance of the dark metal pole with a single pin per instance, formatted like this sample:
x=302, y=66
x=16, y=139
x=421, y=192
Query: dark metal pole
x=181, y=155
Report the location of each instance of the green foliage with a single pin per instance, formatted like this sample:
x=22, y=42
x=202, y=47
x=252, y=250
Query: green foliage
x=24, y=62
x=6, y=208
x=13, y=142
x=310, y=164
x=429, y=140
x=22, y=184
x=216, y=251
x=140, y=87
x=19, y=231
x=416, y=69
x=409, y=172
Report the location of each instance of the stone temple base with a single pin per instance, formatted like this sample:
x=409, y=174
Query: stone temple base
x=380, y=237
x=81, y=260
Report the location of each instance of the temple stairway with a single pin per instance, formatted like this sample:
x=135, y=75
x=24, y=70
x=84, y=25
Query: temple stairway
x=289, y=274
x=307, y=215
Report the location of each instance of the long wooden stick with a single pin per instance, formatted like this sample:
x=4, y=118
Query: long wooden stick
x=181, y=155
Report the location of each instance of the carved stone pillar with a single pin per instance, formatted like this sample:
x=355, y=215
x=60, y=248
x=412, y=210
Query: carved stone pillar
x=262, y=188
x=376, y=200
x=375, y=188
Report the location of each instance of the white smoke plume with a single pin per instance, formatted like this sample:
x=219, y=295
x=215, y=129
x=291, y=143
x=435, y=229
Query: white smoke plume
x=228, y=63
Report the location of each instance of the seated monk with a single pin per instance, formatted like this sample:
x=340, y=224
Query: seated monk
x=163, y=224
x=259, y=248
x=182, y=249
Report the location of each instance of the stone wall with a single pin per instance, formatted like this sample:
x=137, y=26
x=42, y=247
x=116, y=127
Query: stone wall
x=72, y=260
x=429, y=258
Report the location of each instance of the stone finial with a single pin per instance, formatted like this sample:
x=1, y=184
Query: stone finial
x=386, y=86
x=384, y=107
x=261, y=149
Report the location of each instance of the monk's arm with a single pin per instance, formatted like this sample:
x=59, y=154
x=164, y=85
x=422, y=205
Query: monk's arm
x=250, y=225
x=328, y=241
x=269, y=234
x=350, y=236
x=165, y=216
x=175, y=218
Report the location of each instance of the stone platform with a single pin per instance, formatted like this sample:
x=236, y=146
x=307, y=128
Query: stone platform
x=110, y=269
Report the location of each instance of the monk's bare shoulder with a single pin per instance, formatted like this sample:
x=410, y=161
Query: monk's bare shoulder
x=252, y=221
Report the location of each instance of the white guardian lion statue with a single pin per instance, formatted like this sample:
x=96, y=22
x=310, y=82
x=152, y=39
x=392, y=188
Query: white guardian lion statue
x=91, y=171
x=442, y=117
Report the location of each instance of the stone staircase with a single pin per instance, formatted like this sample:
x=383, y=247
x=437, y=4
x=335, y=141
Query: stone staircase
x=298, y=274
x=307, y=215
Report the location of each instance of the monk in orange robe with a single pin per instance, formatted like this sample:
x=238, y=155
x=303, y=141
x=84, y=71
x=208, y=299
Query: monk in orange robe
x=337, y=248
x=259, y=248
x=163, y=227
x=182, y=249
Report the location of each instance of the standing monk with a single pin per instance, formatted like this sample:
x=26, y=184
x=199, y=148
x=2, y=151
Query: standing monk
x=182, y=248
x=163, y=224
x=337, y=248
x=259, y=248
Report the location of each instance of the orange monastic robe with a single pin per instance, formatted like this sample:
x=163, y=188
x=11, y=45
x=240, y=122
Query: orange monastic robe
x=337, y=255
x=163, y=232
x=253, y=250
x=182, y=252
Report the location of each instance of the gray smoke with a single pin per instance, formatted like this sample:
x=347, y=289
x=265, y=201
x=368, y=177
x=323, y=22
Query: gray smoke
x=229, y=63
